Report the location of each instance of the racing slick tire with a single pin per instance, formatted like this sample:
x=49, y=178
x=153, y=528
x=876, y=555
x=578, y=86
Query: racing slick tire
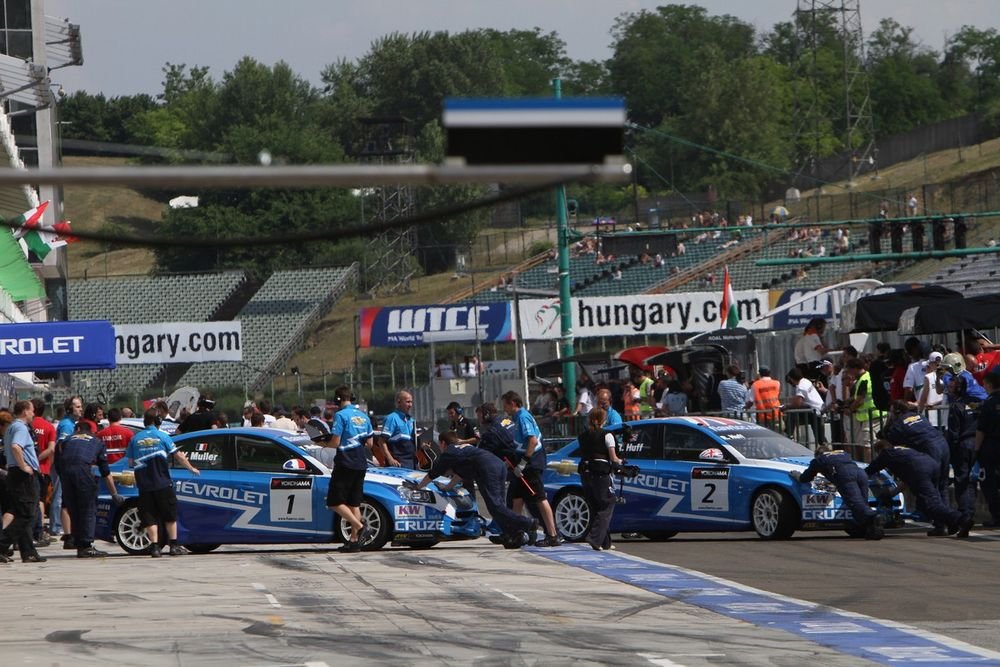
x=659, y=535
x=572, y=515
x=201, y=548
x=375, y=515
x=129, y=533
x=774, y=514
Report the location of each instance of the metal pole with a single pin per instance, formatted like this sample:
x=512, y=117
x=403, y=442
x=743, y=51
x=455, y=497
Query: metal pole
x=565, y=306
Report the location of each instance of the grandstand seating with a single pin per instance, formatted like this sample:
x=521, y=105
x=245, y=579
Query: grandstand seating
x=275, y=322
x=973, y=275
x=140, y=300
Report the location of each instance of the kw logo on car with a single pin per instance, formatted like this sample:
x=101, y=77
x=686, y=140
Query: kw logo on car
x=189, y=488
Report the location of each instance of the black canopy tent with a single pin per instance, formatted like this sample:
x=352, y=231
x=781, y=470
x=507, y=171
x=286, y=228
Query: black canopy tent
x=881, y=312
x=978, y=312
x=589, y=363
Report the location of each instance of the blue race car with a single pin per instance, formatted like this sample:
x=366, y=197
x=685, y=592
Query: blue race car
x=703, y=474
x=267, y=486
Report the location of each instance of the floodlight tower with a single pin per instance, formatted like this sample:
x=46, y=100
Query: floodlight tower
x=388, y=141
x=856, y=124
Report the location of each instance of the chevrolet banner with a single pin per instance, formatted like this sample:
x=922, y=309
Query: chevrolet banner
x=57, y=346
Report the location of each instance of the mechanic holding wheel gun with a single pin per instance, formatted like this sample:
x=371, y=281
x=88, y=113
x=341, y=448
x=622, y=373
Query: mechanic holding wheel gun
x=597, y=459
x=468, y=464
x=852, y=485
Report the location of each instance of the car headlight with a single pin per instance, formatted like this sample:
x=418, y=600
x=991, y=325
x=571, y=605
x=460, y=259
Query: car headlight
x=823, y=486
x=124, y=478
x=416, y=495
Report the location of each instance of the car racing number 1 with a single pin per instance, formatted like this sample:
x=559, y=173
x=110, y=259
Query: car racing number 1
x=710, y=489
x=291, y=499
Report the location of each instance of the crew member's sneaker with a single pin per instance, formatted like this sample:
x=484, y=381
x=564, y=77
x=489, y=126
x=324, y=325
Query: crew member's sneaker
x=8, y=552
x=90, y=552
x=40, y=542
x=550, y=541
x=6, y=559
x=350, y=548
x=515, y=541
x=964, y=527
x=34, y=558
x=177, y=550
x=497, y=539
x=68, y=542
x=154, y=550
x=876, y=528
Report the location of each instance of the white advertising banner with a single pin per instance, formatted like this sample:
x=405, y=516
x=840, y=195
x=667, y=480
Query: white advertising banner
x=178, y=342
x=645, y=314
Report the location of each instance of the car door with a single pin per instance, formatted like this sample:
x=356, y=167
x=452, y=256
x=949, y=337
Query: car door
x=292, y=501
x=648, y=497
x=709, y=485
x=205, y=503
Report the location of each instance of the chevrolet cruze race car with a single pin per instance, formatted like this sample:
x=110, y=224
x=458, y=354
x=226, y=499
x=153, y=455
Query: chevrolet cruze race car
x=267, y=486
x=700, y=474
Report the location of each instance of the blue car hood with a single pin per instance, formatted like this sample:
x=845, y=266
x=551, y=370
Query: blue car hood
x=797, y=460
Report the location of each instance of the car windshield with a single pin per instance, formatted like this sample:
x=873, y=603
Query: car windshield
x=761, y=443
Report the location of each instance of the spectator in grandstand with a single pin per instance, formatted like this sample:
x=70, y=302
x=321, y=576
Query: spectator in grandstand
x=681, y=249
x=645, y=258
x=912, y=204
x=733, y=394
x=616, y=274
x=810, y=348
x=443, y=369
x=658, y=260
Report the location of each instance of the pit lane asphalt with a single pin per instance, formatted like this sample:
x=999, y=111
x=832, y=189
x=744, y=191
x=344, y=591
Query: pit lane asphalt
x=476, y=603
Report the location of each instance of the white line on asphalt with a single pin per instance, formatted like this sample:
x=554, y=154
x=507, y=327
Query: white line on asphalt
x=505, y=594
x=273, y=600
x=315, y=664
x=657, y=660
x=259, y=587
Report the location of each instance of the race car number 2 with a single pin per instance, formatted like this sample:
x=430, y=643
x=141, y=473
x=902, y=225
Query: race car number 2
x=291, y=499
x=710, y=489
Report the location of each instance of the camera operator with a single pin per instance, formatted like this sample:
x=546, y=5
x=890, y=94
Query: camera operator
x=597, y=459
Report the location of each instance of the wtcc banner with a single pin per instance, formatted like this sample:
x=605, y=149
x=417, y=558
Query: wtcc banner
x=646, y=314
x=402, y=326
x=57, y=346
x=178, y=342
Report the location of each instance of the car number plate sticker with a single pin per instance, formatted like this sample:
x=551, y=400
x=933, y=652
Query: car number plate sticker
x=710, y=489
x=291, y=499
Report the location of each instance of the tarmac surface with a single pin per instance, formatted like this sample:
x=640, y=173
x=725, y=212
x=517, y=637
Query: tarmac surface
x=817, y=599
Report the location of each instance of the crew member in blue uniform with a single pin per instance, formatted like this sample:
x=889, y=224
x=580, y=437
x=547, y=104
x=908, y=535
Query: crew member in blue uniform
x=59, y=521
x=987, y=446
x=851, y=482
x=351, y=430
x=470, y=463
x=963, y=416
x=148, y=453
x=75, y=459
x=920, y=472
x=531, y=465
x=22, y=486
x=400, y=442
x=906, y=428
x=613, y=417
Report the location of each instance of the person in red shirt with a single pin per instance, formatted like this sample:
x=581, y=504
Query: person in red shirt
x=115, y=436
x=45, y=444
x=981, y=356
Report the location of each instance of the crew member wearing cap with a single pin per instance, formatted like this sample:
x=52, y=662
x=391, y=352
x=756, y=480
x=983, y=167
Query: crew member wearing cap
x=203, y=419
x=988, y=446
x=351, y=429
x=906, y=428
x=963, y=416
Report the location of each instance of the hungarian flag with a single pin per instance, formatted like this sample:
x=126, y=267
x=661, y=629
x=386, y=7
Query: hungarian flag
x=730, y=314
x=41, y=240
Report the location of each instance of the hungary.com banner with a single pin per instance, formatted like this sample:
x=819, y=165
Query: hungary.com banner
x=178, y=342
x=646, y=314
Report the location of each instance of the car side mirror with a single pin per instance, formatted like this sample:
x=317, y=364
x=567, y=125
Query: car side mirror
x=712, y=454
x=295, y=465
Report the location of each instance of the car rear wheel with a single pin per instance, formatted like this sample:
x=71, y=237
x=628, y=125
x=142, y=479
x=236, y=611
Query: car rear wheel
x=773, y=514
x=129, y=533
x=572, y=515
x=377, y=518
x=659, y=535
x=201, y=548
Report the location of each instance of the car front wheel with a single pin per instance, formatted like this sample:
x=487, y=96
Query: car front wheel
x=572, y=515
x=376, y=517
x=129, y=533
x=773, y=514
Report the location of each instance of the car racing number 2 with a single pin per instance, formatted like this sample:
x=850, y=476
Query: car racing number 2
x=291, y=499
x=710, y=489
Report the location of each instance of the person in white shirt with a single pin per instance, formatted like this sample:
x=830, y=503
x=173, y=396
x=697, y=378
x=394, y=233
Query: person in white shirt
x=810, y=348
x=805, y=397
x=913, y=381
x=930, y=397
x=584, y=399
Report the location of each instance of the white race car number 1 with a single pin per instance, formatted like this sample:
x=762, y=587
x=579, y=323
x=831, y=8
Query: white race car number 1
x=710, y=489
x=291, y=499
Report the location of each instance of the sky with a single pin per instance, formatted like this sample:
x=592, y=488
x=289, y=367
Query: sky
x=127, y=42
